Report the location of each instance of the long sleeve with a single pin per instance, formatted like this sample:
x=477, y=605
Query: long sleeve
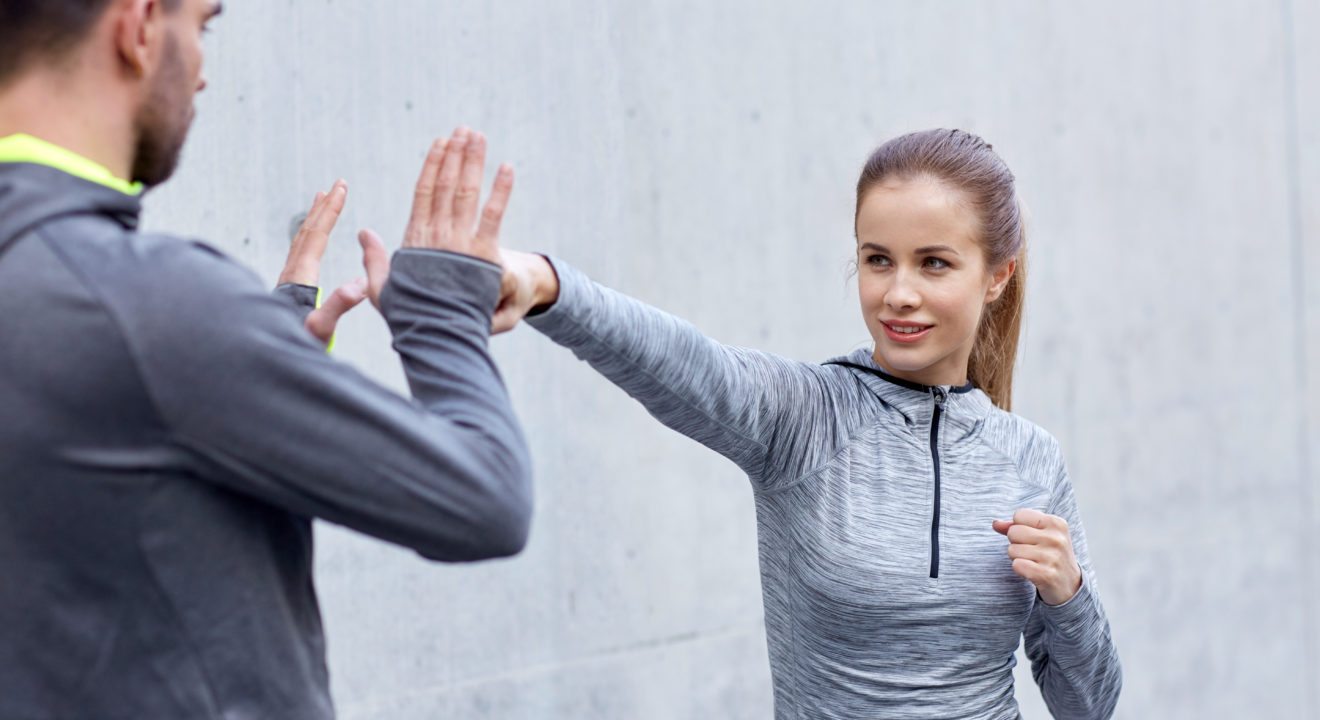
x=244, y=391
x=302, y=298
x=732, y=400
x=1073, y=657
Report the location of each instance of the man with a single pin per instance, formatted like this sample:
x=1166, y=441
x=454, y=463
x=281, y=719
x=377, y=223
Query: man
x=169, y=428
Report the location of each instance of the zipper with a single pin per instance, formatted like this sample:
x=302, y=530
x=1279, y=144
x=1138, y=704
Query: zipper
x=940, y=395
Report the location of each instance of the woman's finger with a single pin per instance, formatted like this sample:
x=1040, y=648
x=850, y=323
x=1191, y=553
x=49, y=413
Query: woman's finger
x=1034, y=553
x=505, y=319
x=1029, y=570
x=513, y=304
x=1034, y=518
x=1027, y=535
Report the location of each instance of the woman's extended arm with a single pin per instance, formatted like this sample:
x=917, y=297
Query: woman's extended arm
x=732, y=400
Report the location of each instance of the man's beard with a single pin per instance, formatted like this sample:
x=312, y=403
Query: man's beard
x=162, y=123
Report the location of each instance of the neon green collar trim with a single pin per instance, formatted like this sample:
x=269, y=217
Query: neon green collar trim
x=27, y=149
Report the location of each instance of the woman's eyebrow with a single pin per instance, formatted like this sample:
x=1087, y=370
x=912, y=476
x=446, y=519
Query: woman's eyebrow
x=927, y=250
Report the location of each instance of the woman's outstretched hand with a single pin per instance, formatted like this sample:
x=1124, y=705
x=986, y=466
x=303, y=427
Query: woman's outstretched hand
x=1042, y=552
x=529, y=282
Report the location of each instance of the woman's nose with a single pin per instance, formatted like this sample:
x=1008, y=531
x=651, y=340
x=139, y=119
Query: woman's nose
x=902, y=294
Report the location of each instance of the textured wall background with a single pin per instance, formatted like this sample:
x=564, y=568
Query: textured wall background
x=701, y=156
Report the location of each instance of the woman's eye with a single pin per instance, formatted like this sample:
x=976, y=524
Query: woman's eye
x=877, y=260
x=935, y=263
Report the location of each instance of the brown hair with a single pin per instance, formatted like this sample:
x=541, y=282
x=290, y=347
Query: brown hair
x=32, y=30
x=966, y=162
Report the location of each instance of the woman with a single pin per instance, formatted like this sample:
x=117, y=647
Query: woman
x=911, y=528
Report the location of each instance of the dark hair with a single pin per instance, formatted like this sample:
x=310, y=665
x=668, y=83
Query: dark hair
x=968, y=163
x=46, y=29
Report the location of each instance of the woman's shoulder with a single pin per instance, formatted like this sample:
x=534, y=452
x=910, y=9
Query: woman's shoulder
x=1033, y=449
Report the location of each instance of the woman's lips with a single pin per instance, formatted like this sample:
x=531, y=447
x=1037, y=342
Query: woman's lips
x=906, y=333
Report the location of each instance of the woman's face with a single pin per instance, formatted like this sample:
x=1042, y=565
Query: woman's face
x=922, y=278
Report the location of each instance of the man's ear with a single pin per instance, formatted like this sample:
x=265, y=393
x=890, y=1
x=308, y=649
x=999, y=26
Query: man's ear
x=137, y=31
x=999, y=280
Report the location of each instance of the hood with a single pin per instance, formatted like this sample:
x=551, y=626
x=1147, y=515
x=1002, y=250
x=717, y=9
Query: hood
x=965, y=405
x=32, y=194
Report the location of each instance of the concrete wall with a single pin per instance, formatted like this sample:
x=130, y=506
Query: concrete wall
x=700, y=155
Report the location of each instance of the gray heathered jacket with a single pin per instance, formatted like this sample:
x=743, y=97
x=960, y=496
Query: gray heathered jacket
x=169, y=430
x=887, y=593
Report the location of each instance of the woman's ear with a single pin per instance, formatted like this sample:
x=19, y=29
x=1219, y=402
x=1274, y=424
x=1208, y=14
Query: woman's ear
x=137, y=31
x=999, y=280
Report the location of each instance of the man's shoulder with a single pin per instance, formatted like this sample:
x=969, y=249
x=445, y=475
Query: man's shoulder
x=121, y=264
x=107, y=243
x=161, y=287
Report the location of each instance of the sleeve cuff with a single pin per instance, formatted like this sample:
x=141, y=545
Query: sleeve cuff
x=302, y=297
x=572, y=284
x=425, y=282
x=1074, y=616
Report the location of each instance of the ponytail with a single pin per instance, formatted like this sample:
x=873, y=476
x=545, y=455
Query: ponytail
x=994, y=353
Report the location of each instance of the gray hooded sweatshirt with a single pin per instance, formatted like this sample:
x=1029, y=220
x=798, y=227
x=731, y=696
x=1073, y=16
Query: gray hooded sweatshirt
x=887, y=593
x=170, y=429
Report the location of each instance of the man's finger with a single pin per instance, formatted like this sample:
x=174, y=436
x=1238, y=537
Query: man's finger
x=331, y=209
x=322, y=321
x=298, y=237
x=442, y=205
x=488, y=234
x=314, y=234
x=425, y=189
x=376, y=261
x=303, y=265
x=313, y=211
x=468, y=194
x=424, y=195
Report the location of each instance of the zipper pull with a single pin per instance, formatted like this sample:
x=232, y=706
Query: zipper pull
x=940, y=396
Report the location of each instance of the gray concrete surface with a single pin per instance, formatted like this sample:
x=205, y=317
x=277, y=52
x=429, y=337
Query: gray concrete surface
x=701, y=156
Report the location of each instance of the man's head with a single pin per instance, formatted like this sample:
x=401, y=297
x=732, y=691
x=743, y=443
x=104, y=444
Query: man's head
x=149, y=50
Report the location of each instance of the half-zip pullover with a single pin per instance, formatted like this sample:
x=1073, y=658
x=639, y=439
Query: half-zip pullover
x=938, y=397
x=887, y=592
